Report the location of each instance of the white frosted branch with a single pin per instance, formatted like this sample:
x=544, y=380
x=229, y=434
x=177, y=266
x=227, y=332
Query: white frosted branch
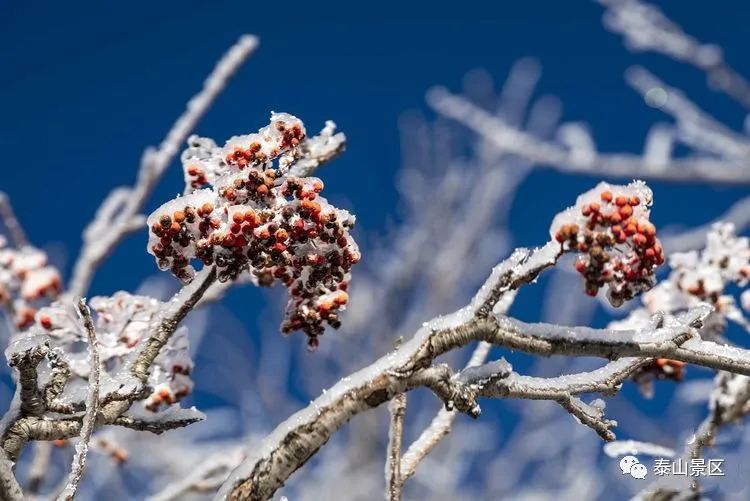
x=119, y=214
x=440, y=426
x=318, y=150
x=636, y=448
x=10, y=221
x=553, y=155
x=646, y=28
x=92, y=407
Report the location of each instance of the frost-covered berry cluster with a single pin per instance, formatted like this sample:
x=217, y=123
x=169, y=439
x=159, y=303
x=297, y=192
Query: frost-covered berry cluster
x=122, y=324
x=703, y=277
x=26, y=281
x=243, y=213
x=616, y=243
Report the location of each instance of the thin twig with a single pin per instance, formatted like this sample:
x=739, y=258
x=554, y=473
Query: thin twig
x=119, y=213
x=8, y=216
x=394, y=483
x=92, y=407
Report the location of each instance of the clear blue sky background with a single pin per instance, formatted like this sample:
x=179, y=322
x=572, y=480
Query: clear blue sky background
x=85, y=86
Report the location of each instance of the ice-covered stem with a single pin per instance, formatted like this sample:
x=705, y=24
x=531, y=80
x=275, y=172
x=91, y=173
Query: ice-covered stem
x=176, y=310
x=319, y=150
x=440, y=426
x=695, y=127
x=25, y=427
x=92, y=406
x=10, y=221
x=293, y=443
x=553, y=155
x=157, y=427
x=119, y=214
x=9, y=488
x=646, y=28
x=393, y=481
x=26, y=362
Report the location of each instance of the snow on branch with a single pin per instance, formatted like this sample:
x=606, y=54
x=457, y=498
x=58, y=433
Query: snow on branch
x=409, y=366
x=646, y=28
x=92, y=407
x=119, y=214
x=580, y=157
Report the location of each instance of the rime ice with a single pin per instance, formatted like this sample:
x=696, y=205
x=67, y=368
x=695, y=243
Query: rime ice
x=122, y=323
x=617, y=247
x=245, y=215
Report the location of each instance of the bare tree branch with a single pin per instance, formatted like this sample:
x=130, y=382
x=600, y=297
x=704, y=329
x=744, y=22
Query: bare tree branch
x=393, y=479
x=9, y=488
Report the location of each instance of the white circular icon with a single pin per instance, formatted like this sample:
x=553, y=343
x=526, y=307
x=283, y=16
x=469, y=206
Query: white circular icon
x=638, y=470
x=626, y=463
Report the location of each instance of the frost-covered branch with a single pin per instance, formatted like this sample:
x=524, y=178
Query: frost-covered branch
x=580, y=159
x=440, y=426
x=293, y=442
x=10, y=221
x=646, y=28
x=92, y=406
x=119, y=214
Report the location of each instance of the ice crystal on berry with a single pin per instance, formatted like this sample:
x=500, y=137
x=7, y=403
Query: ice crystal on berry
x=26, y=281
x=122, y=323
x=244, y=213
x=616, y=243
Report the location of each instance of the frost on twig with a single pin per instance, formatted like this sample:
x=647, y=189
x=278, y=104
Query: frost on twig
x=646, y=28
x=119, y=214
x=634, y=448
x=92, y=407
x=581, y=157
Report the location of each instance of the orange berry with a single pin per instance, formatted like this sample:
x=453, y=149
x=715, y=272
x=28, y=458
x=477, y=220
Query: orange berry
x=606, y=196
x=621, y=201
x=207, y=208
x=639, y=239
x=46, y=321
x=626, y=211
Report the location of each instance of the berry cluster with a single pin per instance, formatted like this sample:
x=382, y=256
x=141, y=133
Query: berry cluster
x=253, y=217
x=617, y=247
x=122, y=323
x=204, y=163
x=26, y=282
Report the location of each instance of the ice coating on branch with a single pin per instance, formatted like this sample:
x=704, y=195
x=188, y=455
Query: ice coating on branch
x=634, y=447
x=617, y=247
x=245, y=214
x=123, y=323
x=26, y=281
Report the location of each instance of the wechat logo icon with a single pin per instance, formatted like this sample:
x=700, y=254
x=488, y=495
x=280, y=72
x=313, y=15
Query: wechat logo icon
x=631, y=466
